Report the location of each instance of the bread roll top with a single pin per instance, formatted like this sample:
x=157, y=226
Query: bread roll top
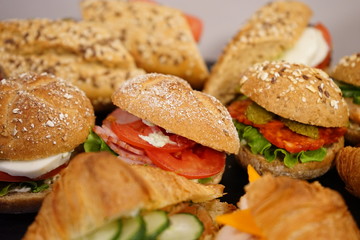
x=286, y=208
x=172, y=104
x=348, y=70
x=40, y=116
x=271, y=30
x=97, y=188
x=296, y=92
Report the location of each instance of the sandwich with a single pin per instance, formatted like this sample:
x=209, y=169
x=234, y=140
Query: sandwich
x=286, y=208
x=85, y=54
x=280, y=30
x=162, y=121
x=158, y=37
x=43, y=119
x=291, y=119
x=346, y=75
x=99, y=197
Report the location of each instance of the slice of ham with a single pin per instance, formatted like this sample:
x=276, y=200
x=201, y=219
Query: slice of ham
x=126, y=152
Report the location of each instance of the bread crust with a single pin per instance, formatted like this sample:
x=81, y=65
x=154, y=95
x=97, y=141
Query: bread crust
x=315, y=211
x=85, y=54
x=172, y=104
x=307, y=170
x=79, y=202
x=348, y=70
x=40, y=116
x=271, y=30
x=158, y=37
x=296, y=92
x=348, y=167
x=22, y=202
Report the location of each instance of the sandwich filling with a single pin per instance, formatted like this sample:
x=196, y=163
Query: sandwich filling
x=275, y=137
x=137, y=141
x=30, y=176
x=312, y=49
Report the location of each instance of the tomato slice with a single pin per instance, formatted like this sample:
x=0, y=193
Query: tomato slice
x=5, y=177
x=193, y=163
x=326, y=34
x=130, y=132
x=196, y=26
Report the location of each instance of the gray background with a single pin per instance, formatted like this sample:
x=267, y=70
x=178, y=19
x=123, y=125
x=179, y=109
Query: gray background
x=222, y=18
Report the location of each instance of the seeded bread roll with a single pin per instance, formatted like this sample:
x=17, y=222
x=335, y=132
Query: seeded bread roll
x=40, y=116
x=85, y=54
x=158, y=37
x=172, y=104
x=347, y=70
x=296, y=92
x=271, y=31
x=300, y=93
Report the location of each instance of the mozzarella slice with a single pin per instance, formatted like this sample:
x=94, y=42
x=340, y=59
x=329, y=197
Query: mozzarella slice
x=311, y=49
x=34, y=168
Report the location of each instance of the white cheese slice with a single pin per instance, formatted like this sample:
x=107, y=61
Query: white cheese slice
x=311, y=49
x=157, y=139
x=34, y=168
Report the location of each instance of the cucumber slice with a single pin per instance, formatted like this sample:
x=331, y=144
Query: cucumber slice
x=183, y=226
x=110, y=231
x=132, y=228
x=156, y=222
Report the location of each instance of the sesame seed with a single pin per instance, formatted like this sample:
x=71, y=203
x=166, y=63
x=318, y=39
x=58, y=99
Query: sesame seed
x=16, y=111
x=311, y=88
x=334, y=104
x=50, y=123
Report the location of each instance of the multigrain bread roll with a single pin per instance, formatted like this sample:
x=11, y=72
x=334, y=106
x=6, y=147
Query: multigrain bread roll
x=291, y=119
x=98, y=188
x=158, y=37
x=278, y=30
x=348, y=167
x=346, y=74
x=170, y=125
x=42, y=120
x=286, y=208
x=85, y=54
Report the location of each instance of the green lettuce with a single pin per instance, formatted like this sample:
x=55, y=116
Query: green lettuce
x=260, y=145
x=349, y=91
x=94, y=143
x=35, y=187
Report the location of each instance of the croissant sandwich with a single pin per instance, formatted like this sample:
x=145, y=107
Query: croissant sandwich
x=161, y=121
x=100, y=197
x=286, y=208
x=280, y=30
x=43, y=119
x=291, y=119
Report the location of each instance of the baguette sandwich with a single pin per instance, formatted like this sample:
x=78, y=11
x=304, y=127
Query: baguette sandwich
x=286, y=208
x=100, y=197
x=162, y=121
x=85, y=54
x=43, y=119
x=280, y=30
x=347, y=75
x=158, y=37
x=291, y=119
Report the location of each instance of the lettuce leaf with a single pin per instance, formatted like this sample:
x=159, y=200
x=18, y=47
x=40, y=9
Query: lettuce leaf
x=35, y=187
x=260, y=145
x=349, y=91
x=94, y=143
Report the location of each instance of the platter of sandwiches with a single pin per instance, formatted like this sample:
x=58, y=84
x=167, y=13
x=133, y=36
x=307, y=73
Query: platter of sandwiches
x=114, y=126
